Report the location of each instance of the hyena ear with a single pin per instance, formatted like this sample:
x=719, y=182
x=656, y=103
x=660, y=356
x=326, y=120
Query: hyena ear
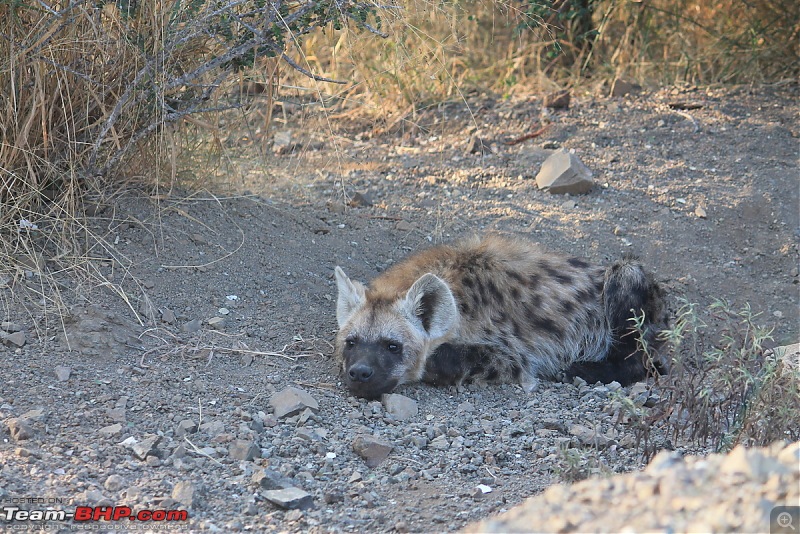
x=431, y=301
x=351, y=296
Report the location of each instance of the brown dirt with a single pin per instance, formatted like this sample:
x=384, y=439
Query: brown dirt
x=271, y=234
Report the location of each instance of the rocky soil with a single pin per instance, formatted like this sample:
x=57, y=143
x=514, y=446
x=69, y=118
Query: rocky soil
x=198, y=375
x=745, y=491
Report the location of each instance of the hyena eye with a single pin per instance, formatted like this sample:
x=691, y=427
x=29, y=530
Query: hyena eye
x=393, y=347
x=350, y=342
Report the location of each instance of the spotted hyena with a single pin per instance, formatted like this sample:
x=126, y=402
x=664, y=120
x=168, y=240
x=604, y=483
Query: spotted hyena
x=496, y=310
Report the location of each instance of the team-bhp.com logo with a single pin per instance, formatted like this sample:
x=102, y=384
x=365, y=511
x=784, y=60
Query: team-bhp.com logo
x=94, y=513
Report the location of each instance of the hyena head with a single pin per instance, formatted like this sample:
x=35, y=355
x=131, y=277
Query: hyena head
x=384, y=337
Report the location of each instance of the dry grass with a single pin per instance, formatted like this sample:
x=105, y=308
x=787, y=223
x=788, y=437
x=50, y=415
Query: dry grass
x=92, y=95
x=442, y=51
x=206, y=344
x=695, y=42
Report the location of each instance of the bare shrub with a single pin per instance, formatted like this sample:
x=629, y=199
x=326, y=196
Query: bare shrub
x=725, y=388
x=83, y=83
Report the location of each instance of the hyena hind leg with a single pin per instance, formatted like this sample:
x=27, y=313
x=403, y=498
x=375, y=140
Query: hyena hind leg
x=628, y=287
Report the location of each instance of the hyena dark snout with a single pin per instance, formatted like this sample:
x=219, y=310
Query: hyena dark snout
x=360, y=372
x=367, y=368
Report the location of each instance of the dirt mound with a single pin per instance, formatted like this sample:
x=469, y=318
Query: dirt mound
x=743, y=491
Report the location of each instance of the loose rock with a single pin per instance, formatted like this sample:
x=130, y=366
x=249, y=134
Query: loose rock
x=715, y=493
x=282, y=142
x=270, y=480
x=372, y=450
x=290, y=498
x=146, y=447
x=116, y=414
x=400, y=406
x=217, y=323
x=16, y=339
x=621, y=87
x=63, y=373
x=186, y=493
x=213, y=428
x=114, y=483
x=590, y=437
x=476, y=145
x=110, y=430
x=192, y=326
x=244, y=450
x=558, y=100
x=146, y=309
x=19, y=429
x=360, y=200
x=562, y=173
x=440, y=443
x=480, y=491
x=187, y=426
x=168, y=316
x=403, y=226
x=291, y=401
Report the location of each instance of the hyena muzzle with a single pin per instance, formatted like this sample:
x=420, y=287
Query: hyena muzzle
x=498, y=310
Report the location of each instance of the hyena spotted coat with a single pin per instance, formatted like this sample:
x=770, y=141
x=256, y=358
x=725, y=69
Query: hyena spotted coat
x=495, y=310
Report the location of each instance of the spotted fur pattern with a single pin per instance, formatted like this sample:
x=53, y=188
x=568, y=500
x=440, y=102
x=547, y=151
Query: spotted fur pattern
x=495, y=310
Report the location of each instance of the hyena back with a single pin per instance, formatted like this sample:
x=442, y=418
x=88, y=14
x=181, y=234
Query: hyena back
x=495, y=310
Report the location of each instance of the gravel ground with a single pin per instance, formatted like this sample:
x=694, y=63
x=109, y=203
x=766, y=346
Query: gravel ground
x=165, y=387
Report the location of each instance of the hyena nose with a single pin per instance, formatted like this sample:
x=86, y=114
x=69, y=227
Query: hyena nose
x=360, y=372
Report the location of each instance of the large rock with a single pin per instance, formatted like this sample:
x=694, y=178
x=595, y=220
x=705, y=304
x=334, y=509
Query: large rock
x=371, y=449
x=146, y=447
x=590, y=437
x=20, y=429
x=111, y=430
x=290, y=498
x=187, y=493
x=244, y=450
x=269, y=479
x=399, y=406
x=738, y=492
x=563, y=173
x=291, y=401
x=557, y=100
x=16, y=339
x=62, y=373
x=622, y=87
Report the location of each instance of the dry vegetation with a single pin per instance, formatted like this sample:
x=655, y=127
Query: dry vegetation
x=86, y=86
x=438, y=51
x=724, y=389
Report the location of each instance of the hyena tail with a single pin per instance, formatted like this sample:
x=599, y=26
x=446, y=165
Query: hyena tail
x=628, y=292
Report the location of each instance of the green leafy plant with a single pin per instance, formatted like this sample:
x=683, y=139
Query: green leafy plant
x=576, y=464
